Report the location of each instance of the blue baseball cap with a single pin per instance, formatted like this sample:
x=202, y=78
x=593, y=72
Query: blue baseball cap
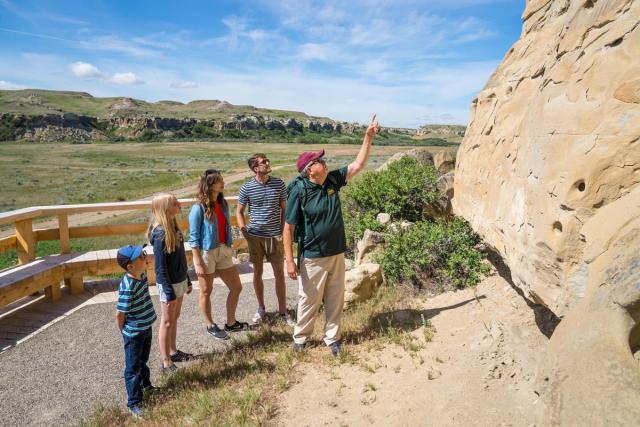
x=128, y=254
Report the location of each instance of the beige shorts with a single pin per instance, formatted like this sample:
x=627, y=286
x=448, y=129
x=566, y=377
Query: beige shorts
x=270, y=247
x=216, y=259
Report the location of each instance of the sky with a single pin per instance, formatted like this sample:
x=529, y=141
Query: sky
x=412, y=62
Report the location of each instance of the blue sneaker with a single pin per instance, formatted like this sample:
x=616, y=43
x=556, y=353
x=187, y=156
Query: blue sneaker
x=336, y=348
x=136, y=411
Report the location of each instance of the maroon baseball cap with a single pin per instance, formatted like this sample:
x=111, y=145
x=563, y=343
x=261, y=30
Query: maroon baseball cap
x=307, y=157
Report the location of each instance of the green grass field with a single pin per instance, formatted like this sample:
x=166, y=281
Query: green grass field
x=50, y=174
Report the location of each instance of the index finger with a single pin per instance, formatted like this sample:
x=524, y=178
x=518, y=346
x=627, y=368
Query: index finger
x=373, y=118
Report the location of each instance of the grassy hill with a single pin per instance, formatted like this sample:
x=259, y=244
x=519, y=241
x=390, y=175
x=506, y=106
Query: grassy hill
x=33, y=102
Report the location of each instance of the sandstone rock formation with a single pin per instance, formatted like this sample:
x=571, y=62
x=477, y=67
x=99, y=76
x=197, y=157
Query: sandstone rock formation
x=554, y=137
x=420, y=154
x=444, y=161
x=361, y=281
x=548, y=174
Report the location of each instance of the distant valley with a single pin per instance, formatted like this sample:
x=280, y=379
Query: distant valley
x=33, y=115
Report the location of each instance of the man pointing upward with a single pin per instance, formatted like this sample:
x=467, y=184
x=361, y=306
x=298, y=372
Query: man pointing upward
x=313, y=208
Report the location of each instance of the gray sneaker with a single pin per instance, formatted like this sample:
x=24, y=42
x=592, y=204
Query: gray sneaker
x=336, y=348
x=298, y=347
x=216, y=332
x=284, y=318
x=259, y=316
x=169, y=369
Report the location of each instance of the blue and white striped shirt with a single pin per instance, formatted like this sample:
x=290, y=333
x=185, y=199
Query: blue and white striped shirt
x=135, y=302
x=264, y=201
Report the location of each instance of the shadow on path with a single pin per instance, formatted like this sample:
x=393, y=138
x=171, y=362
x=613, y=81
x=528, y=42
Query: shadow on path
x=546, y=320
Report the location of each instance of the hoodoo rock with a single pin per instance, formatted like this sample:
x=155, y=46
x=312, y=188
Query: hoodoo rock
x=548, y=174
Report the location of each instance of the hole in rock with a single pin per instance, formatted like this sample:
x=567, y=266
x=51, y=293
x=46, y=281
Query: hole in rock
x=557, y=227
x=580, y=185
x=634, y=341
x=589, y=4
x=615, y=43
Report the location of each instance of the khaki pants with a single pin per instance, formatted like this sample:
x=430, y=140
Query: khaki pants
x=321, y=280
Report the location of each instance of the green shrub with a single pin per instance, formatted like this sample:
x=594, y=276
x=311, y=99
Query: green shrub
x=437, y=253
x=402, y=191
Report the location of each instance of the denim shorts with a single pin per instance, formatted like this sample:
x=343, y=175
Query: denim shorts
x=171, y=292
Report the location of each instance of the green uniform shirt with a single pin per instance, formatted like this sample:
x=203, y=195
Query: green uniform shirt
x=324, y=227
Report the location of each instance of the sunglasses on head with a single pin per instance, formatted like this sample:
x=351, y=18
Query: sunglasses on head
x=210, y=172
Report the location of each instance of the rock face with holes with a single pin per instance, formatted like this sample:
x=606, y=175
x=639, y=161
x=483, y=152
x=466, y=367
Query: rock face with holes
x=554, y=137
x=549, y=175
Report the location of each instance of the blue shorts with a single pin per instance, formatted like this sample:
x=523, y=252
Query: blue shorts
x=171, y=292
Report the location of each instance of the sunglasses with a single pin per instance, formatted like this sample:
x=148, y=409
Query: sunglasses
x=319, y=161
x=210, y=172
x=264, y=162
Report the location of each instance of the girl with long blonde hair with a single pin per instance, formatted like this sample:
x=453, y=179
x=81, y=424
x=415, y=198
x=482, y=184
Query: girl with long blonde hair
x=172, y=280
x=210, y=240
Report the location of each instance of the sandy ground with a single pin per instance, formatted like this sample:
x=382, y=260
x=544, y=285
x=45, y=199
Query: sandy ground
x=478, y=370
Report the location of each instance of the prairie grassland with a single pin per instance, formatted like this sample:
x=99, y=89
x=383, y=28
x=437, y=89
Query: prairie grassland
x=47, y=174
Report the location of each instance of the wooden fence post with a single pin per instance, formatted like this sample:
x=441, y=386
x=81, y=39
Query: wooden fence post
x=74, y=283
x=25, y=241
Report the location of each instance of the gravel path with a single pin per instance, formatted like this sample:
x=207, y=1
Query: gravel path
x=60, y=375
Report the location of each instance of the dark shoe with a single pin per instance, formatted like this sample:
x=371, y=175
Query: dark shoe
x=237, y=327
x=136, y=411
x=216, y=332
x=169, y=369
x=298, y=347
x=336, y=348
x=284, y=318
x=181, y=356
x=149, y=389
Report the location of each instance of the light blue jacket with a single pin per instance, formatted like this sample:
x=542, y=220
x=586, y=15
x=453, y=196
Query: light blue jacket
x=205, y=236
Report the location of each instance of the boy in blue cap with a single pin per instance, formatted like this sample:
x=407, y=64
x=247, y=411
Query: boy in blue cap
x=134, y=316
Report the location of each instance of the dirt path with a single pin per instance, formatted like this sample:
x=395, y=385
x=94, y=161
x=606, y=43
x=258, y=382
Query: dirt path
x=91, y=217
x=478, y=370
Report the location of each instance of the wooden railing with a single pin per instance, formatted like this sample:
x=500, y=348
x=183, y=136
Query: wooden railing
x=26, y=236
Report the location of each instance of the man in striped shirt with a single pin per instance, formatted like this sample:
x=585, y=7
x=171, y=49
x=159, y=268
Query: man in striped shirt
x=266, y=197
x=134, y=316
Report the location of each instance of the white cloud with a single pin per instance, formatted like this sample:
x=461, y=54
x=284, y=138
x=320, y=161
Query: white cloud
x=10, y=86
x=89, y=71
x=184, y=85
x=125, y=79
x=314, y=51
x=85, y=70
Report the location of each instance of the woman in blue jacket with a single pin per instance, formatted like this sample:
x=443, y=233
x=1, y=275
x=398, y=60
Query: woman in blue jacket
x=210, y=239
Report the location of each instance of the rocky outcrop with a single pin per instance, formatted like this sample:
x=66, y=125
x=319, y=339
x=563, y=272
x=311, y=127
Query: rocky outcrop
x=553, y=138
x=424, y=157
x=548, y=174
x=448, y=130
x=71, y=127
x=444, y=161
x=360, y=282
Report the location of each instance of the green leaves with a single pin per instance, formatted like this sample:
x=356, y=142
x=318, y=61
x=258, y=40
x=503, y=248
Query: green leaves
x=438, y=254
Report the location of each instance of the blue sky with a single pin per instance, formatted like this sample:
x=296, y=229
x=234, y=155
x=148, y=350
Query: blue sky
x=411, y=62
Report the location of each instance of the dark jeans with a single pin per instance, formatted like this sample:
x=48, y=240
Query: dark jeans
x=136, y=371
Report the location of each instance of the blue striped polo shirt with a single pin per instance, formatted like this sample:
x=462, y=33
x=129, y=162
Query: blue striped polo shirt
x=135, y=302
x=264, y=202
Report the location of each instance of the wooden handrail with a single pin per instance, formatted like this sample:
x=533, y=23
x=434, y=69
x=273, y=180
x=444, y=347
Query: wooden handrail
x=26, y=237
x=40, y=211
